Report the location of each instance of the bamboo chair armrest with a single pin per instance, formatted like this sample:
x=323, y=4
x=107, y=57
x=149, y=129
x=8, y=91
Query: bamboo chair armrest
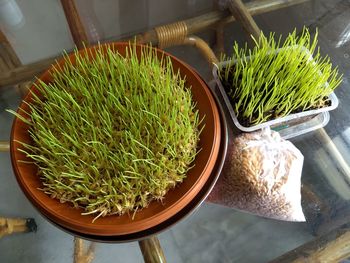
x=176, y=34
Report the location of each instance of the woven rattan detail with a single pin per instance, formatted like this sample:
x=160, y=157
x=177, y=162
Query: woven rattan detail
x=170, y=35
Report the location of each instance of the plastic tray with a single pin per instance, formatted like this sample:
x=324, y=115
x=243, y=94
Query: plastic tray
x=280, y=123
x=314, y=123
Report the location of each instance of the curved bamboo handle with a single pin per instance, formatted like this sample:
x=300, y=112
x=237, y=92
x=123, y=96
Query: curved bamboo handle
x=203, y=48
x=177, y=34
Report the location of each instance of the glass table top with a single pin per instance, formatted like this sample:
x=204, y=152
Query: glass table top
x=213, y=233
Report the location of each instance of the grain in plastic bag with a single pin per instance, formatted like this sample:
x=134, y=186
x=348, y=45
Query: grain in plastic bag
x=262, y=176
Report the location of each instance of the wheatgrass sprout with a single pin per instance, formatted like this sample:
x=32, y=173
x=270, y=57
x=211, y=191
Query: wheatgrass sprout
x=275, y=79
x=112, y=134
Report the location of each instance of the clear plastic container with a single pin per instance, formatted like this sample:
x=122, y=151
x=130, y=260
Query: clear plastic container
x=282, y=123
x=317, y=122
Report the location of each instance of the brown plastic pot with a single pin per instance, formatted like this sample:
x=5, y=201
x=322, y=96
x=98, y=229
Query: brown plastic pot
x=175, y=200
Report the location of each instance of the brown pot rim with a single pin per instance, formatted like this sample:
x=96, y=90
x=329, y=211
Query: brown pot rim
x=134, y=226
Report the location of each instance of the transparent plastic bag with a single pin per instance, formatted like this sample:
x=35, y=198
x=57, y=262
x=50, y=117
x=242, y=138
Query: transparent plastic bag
x=262, y=176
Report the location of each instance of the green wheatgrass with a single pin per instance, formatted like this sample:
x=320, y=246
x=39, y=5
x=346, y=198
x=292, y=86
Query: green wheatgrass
x=113, y=134
x=273, y=84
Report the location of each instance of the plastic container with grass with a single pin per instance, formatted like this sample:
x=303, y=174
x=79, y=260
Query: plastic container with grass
x=248, y=82
x=280, y=123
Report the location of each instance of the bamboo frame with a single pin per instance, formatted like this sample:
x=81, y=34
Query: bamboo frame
x=83, y=254
x=211, y=19
x=241, y=13
x=176, y=34
x=9, y=60
x=194, y=25
x=219, y=39
x=151, y=250
x=203, y=48
x=332, y=247
x=74, y=22
x=9, y=226
x=25, y=72
x=219, y=47
x=4, y=146
x=327, y=141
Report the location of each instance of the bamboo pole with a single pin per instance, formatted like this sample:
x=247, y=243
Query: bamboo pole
x=24, y=73
x=333, y=150
x=7, y=52
x=242, y=15
x=194, y=25
x=4, y=146
x=83, y=254
x=74, y=22
x=9, y=226
x=9, y=60
x=203, y=48
x=219, y=47
x=205, y=21
x=151, y=250
x=331, y=248
x=219, y=43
